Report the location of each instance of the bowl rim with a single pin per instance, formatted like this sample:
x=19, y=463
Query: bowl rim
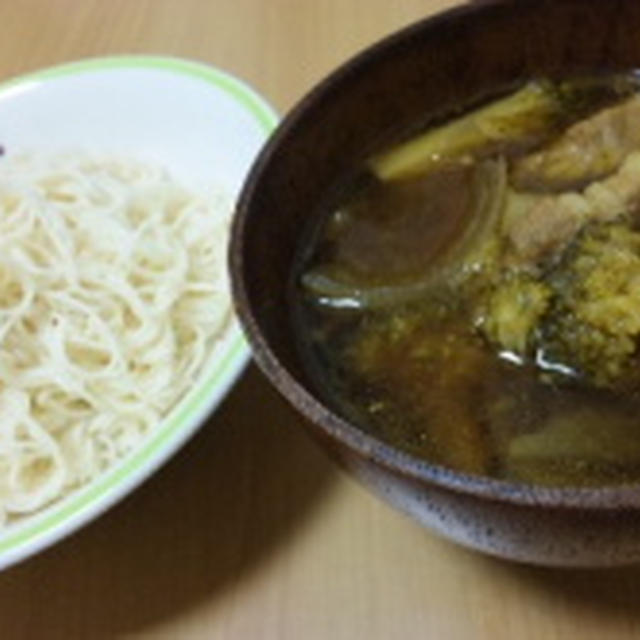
x=227, y=362
x=318, y=415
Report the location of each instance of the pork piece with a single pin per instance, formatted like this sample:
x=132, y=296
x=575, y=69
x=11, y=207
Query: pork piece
x=544, y=225
x=586, y=151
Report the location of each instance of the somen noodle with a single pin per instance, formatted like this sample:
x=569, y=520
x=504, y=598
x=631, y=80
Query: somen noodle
x=113, y=288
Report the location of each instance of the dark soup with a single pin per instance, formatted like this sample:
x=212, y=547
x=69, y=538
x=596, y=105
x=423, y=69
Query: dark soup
x=473, y=298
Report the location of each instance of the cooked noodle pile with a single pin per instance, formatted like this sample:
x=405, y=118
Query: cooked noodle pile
x=113, y=289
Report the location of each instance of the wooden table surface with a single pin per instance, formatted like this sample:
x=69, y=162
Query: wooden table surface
x=250, y=533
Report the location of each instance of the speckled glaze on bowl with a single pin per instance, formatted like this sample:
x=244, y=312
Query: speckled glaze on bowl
x=414, y=76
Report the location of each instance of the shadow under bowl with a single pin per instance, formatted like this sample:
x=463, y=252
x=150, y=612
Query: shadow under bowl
x=415, y=76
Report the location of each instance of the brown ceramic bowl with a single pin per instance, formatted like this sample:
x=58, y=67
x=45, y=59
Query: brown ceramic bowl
x=428, y=68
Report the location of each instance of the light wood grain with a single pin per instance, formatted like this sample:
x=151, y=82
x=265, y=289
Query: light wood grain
x=249, y=533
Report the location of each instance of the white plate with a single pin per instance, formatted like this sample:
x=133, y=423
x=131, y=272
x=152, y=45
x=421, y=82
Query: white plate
x=206, y=127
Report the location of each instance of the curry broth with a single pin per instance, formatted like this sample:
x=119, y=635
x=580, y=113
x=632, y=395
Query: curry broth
x=452, y=304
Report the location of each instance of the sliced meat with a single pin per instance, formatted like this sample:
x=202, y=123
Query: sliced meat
x=547, y=226
x=549, y=222
x=588, y=150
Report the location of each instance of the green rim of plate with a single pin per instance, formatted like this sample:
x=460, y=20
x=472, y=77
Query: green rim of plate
x=188, y=409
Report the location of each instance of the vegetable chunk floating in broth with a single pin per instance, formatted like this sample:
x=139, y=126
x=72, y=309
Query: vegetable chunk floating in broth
x=473, y=297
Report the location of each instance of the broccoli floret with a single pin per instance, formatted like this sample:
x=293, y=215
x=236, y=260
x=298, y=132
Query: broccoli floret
x=513, y=311
x=582, y=317
x=594, y=321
